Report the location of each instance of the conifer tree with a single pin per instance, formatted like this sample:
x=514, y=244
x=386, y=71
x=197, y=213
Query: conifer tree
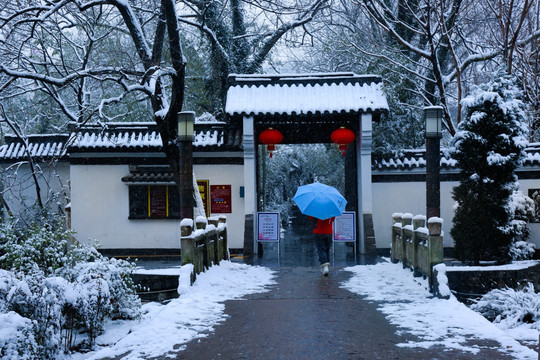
x=490, y=146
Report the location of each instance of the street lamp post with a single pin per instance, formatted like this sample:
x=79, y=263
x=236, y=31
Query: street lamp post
x=433, y=123
x=185, y=137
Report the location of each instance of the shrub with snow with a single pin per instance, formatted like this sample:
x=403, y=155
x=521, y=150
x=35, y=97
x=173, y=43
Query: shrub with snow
x=16, y=338
x=60, y=290
x=511, y=308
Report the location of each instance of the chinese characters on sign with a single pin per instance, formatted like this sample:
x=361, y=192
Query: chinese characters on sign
x=268, y=226
x=345, y=227
x=203, y=186
x=158, y=202
x=220, y=199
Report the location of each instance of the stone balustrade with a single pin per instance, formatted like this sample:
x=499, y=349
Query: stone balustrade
x=417, y=247
x=204, y=244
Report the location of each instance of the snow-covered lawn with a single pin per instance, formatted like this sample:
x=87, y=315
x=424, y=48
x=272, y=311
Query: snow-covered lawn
x=406, y=303
x=198, y=310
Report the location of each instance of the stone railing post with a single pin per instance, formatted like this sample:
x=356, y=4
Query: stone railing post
x=186, y=241
x=419, y=221
x=215, y=255
x=223, y=242
x=435, y=245
x=395, y=253
x=406, y=223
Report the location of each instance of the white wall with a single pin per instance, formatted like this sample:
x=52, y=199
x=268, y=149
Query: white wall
x=20, y=191
x=410, y=197
x=100, y=210
x=228, y=175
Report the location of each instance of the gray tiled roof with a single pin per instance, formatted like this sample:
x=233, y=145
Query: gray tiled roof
x=144, y=137
x=415, y=159
x=42, y=147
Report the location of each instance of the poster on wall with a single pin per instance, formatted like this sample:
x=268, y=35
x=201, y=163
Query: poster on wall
x=268, y=226
x=220, y=199
x=204, y=190
x=345, y=227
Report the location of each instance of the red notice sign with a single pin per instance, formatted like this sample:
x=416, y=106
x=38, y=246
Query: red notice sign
x=220, y=199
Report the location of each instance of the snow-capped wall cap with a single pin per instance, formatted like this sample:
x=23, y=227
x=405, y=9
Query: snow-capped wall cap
x=40, y=147
x=201, y=219
x=435, y=219
x=407, y=216
x=422, y=230
x=419, y=217
x=210, y=227
x=145, y=137
x=397, y=214
x=408, y=227
x=186, y=222
x=294, y=94
x=413, y=159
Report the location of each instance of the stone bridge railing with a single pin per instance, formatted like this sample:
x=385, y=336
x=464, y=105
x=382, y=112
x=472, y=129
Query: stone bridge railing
x=417, y=247
x=204, y=244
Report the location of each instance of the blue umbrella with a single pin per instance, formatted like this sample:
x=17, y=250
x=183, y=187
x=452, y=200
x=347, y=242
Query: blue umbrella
x=320, y=201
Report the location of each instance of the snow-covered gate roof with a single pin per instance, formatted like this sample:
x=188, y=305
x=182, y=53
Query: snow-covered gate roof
x=304, y=94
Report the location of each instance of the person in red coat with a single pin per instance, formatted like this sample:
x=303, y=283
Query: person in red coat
x=323, y=240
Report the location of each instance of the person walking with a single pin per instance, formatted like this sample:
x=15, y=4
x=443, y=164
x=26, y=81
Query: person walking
x=323, y=240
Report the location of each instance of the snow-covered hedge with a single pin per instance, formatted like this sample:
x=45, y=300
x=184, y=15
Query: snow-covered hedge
x=52, y=292
x=511, y=308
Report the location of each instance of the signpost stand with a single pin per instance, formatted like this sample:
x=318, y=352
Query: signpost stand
x=268, y=228
x=345, y=229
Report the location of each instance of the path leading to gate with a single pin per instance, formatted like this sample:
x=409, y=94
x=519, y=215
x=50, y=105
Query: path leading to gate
x=307, y=317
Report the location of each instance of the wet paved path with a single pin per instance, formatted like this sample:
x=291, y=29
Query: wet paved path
x=309, y=317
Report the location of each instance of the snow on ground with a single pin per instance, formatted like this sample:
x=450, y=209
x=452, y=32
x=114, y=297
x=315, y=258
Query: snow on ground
x=198, y=309
x=406, y=303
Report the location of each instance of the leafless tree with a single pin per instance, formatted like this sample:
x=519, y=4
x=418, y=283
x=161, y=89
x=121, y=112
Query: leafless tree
x=97, y=60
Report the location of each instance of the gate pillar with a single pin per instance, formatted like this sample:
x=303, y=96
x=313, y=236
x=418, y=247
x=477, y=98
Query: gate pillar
x=365, y=196
x=250, y=187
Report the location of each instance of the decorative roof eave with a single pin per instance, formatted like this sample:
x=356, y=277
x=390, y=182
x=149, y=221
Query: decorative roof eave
x=42, y=148
x=144, y=138
x=326, y=112
x=412, y=160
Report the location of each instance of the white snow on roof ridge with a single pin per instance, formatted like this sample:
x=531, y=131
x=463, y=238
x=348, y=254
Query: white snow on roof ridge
x=279, y=98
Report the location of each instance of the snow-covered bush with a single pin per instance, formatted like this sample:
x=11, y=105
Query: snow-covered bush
x=510, y=307
x=522, y=208
x=60, y=289
x=42, y=245
x=16, y=337
x=522, y=250
x=38, y=299
x=123, y=300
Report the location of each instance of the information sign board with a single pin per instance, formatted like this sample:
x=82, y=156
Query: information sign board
x=268, y=226
x=220, y=199
x=345, y=227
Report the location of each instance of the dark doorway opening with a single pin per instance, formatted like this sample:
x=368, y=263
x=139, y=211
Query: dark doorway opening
x=278, y=178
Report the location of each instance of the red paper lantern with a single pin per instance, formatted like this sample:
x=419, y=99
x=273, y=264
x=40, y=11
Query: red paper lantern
x=342, y=137
x=270, y=137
